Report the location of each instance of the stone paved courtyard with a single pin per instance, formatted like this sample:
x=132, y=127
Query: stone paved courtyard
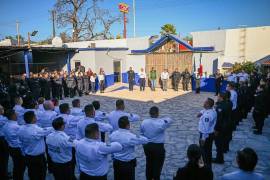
x=183, y=110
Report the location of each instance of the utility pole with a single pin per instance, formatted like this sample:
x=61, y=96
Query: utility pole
x=18, y=33
x=134, y=19
x=53, y=22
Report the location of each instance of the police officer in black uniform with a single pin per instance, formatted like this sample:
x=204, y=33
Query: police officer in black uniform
x=131, y=79
x=186, y=76
x=71, y=85
x=58, y=83
x=218, y=81
x=222, y=125
x=79, y=84
x=176, y=77
x=259, y=110
x=45, y=86
x=64, y=84
x=228, y=132
x=34, y=86
x=86, y=83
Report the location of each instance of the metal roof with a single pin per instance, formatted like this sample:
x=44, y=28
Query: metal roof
x=264, y=61
x=164, y=39
x=227, y=65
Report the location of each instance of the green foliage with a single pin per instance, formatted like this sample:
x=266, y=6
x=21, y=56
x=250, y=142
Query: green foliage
x=246, y=66
x=118, y=36
x=168, y=29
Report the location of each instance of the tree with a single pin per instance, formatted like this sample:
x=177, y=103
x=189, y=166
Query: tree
x=84, y=17
x=168, y=29
x=246, y=66
x=65, y=37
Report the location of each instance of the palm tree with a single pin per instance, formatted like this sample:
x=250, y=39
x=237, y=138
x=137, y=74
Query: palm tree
x=168, y=29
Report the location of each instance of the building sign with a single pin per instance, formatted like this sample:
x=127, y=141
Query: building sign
x=123, y=7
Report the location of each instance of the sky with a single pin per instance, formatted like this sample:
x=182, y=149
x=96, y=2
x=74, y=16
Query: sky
x=187, y=16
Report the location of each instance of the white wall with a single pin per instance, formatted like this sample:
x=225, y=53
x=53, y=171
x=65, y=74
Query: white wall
x=87, y=59
x=105, y=60
x=136, y=62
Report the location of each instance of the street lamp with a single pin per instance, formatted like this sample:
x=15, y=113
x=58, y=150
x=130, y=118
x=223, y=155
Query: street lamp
x=31, y=34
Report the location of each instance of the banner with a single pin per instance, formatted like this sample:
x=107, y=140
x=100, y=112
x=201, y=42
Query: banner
x=123, y=7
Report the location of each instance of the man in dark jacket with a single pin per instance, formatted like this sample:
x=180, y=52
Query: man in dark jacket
x=45, y=85
x=131, y=79
x=218, y=81
x=186, y=76
x=176, y=77
x=34, y=86
x=79, y=84
x=59, y=87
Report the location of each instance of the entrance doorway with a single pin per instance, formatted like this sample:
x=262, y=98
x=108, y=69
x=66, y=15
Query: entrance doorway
x=117, y=71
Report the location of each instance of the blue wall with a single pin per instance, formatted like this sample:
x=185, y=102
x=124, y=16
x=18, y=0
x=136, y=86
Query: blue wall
x=208, y=85
x=125, y=78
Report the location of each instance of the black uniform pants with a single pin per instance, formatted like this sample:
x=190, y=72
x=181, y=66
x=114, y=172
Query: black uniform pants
x=175, y=85
x=71, y=92
x=47, y=93
x=36, y=93
x=259, y=120
x=142, y=84
x=227, y=137
x=59, y=92
x=130, y=85
x=36, y=167
x=155, y=156
x=84, y=176
x=18, y=163
x=3, y=158
x=234, y=119
x=62, y=171
x=124, y=170
x=207, y=150
x=220, y=142
x=102, y=86
x=185, y=86
x=218, y=87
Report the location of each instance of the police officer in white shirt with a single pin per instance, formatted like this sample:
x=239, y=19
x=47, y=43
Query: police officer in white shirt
x=90, y=119
x=19, y=110
x=114, y=116
x=154, y=129
x=33, y=146
x=124, y=162
x=207, y=122
x=10, y=131
x=233, y=98
x=47, y=116
x=232, y=77
x=164, y=78
x=60, y=150
x=3, y=147
x=92, y=154
x=76, y=108
x=142, y=79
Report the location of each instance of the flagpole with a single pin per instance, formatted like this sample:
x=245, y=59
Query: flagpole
x=134, y=19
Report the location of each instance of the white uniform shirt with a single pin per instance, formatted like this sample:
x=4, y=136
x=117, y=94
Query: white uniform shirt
x=76, y=111
x=232, y=78
x=154, y=129
x=92, y=156
x=103, y=127
x=100, y=116
x=101, y=77
x=59, y=147
x=92, y=79
x=10, y=131
x=114, y=116
x=20, y=112
x=56, y=109
x=3, y=121
x=207, y=122
x=142, y=74
x=233, y=99
x=71, y=124
x=164, y=76
x=41, y=107
x=46, y=118
x=32, y=139
x=128, y=140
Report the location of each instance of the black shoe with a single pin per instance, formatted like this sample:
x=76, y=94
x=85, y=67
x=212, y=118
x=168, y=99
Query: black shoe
x=257, y=132
x=254, y=127
x=214, y=160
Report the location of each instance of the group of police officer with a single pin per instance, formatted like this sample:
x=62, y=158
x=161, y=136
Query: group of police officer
x=218, y=121
x=60, y=137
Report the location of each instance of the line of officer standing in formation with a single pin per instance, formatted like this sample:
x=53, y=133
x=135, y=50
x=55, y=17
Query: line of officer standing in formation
x=56, y=84
x=59, y=138
x=217, y=122
x=176, y=77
